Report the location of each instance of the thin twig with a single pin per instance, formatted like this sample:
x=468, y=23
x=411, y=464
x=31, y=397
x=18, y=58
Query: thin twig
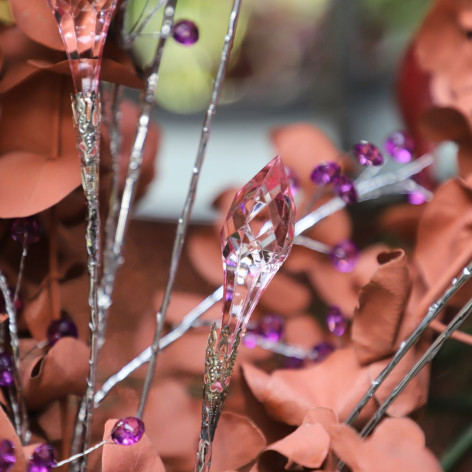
x=19, y=280
x=427, y=357
x=188, y=205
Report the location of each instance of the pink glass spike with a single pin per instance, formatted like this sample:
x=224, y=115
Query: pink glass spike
x=256, y=239
x=83, y=25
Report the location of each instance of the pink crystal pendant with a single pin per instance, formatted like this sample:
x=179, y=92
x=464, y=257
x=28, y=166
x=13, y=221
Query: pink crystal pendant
x=83, y=25
x=256, y=239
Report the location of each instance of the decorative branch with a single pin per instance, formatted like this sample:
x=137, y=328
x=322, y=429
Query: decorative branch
x=188, y=205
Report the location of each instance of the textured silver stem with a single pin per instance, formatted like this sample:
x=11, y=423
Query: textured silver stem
x=16, y=391
x=433, y=311
x=19, y=280
x=188, y=205
x=427, y=357
x=312, y=244
x=87, y=117
x=175, y=334
x=80, y=454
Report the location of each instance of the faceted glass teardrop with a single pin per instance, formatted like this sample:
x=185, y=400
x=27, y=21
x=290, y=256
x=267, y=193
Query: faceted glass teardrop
x=83, y=25
x=256, y=239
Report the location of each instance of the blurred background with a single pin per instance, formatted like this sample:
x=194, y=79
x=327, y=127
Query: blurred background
x=331, y=63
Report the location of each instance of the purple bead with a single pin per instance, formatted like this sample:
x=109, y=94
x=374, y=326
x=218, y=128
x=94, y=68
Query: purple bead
x=127, y=431
x=400, y=146
x=185, y=32
x=42, y=459
x=62, y=328
x=344, y=256
x=345, y=188
x=7, y=455
x=325, y=173
x=336, y=321
x=368, y=154
x=6, y=370
x=250, y=338
x=26, y=227
x=323, y=350
x=293, y=180
x=416, y=198
x=271, y=327
x=294, y=363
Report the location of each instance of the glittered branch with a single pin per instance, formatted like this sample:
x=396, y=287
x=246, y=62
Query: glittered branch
x=184, y=219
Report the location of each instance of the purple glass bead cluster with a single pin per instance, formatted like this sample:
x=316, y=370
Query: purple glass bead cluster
x=368, y=154
x=320, y=352
x=336, y=321
x=127, y=431
x=26, y=230
x=6, y=370
x=62, y=328
x=185, y=32
x=270, y=328
x=7, y=455
x=344, y=256
x=42, y=459
x=400, y=146
x=330, y=173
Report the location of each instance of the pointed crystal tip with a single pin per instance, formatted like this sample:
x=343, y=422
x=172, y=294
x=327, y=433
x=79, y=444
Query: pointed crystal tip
x=256, y=239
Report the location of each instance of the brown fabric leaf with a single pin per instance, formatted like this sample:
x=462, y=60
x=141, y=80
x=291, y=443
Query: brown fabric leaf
x=62, y=371
x=381, y=307
x=238, y=441
x=140, y=457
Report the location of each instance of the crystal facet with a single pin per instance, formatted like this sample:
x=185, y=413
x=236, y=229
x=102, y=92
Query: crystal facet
x=368, y=154
x=325, y=173
x=26, y=230
x=7, y=455
x=344, y=256
x=127, y=431
x=6, y=370
x=83, y=25
x=59, y=329
x=346, y=190
x=400, y=146
x=336, y=321
x=256, y=239
x=185, y=32
x=42, y=459
x=293, y=179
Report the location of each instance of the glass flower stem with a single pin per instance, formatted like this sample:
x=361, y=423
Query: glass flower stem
x=427, y=357
x=16, y=396
x=115, y=248
x=166, y=340
x=80, y=454
x=87, y=117
x=312, y=244
x=433, y=311
x=184, y=219
x=19, y=280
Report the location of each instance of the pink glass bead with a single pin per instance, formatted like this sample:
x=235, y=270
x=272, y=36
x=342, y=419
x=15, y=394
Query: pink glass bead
x=6, y=370
x=345, y=188
x=400, y=146
x=293, y=179
x=250, y=338
x=127, y=431
x=323, y=350
x=7, y=455
x=28, y=229
x=344, y=256
x=336, y=321
x=325, y=173
x=62, y=328
x=185, y=32
x=271, y=327
x=42, y=459
x=416, y=198
x=368, y=154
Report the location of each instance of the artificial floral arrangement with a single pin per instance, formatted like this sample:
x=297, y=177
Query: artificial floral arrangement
x=312, y=354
